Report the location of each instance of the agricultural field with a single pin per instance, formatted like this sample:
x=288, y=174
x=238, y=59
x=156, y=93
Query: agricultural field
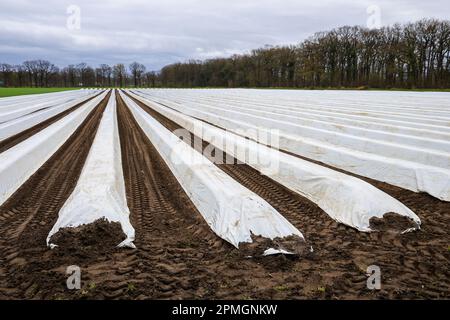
x=225, y=194
x=11, y=92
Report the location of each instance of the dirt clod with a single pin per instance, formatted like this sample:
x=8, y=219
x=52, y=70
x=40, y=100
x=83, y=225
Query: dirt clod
x=392, y=222
x=93, y=236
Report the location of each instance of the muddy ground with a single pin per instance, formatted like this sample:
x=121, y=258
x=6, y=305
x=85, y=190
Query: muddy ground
x=178, y=257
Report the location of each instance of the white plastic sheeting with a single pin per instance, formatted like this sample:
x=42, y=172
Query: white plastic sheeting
x=39, y=99
x=405, y=104
x=344, y=198
x=35, y=98
x=10, y=128
x=408, y=174
x=100, y=190
x=7, y=101
x=388, y=136
x=17, y=111
x=411, y=148
x=232, y=211
x=18, y=163
x=362, y=120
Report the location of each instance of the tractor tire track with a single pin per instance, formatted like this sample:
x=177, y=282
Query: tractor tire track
x=178, y=256
x=414, y=265
x=29, y=214
x=176, y=249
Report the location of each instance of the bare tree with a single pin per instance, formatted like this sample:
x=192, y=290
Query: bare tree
x=81, y=69
x=119, y=74
x=151, y=78
x=137, y=70
x=6, y=70
x=106, y=73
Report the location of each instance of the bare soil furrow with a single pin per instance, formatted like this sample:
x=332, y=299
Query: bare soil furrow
x=414, y=265
x=179, y=257
x=33, y=209
x=165, y=220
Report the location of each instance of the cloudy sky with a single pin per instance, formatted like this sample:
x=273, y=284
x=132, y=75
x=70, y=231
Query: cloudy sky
x=157, y=33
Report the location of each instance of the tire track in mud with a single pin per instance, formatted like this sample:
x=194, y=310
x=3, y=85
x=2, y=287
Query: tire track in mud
x=177, y=254
x=21, y=136
x=414, y=265
x=29, y=214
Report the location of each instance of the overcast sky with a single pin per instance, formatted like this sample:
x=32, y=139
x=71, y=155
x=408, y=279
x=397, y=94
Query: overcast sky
x=157, y=33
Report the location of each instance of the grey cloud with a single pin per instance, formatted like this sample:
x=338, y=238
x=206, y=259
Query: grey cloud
x=161, y=32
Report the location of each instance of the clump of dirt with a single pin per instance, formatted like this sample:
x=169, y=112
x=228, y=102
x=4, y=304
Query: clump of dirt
x=293, y=244
x=391, y=222
x=97, y=236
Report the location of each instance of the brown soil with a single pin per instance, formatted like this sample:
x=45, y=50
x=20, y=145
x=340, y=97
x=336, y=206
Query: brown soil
x=26, y=264
x=177, y=255
x=391, y=222
x=258, y=246
x=19, y=137
x=413, y=265
x=90, y=238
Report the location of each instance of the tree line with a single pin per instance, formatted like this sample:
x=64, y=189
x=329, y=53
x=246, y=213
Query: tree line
x=42, y=73
x=414, y=55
